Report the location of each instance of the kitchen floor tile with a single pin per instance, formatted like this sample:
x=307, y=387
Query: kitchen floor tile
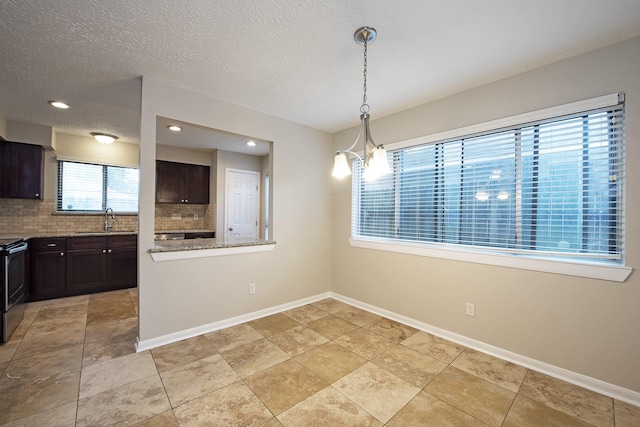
x=61, y=416
x=165, y=419
x=427, y=410
x=365, y=343
x=100, y=331
x=193, y=380
x=124, y=405
x=492, y=369
x=413, y=367
x=38, y=343
x=479, y=398
x=331, y=305
x=282, y=386
x=528, y=413
x=273, y=324
x=626, y=415
x=250, y=358
x=114, y=373
x=331, y=326
x=328, y=407
x=306, y=313
x=576, y=401
x=331, y=361
x=297, y=340
x=109, y=348
x=182, y=352
x=391, y=330
x=234, y=406
x=235, y=336
x=376, y=390
x=357, y=316
x=433, y=346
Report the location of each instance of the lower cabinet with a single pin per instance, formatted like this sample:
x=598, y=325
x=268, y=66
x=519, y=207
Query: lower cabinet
x=83, y=265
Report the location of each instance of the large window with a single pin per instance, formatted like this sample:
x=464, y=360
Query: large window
x=89, y=187
x=550, y=188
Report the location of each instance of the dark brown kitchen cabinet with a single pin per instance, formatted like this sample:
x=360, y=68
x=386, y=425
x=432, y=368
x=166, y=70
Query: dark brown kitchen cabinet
x=200, y=235
x=79, y=265
x=22, y=170
x=48, y=268
x=182, y=183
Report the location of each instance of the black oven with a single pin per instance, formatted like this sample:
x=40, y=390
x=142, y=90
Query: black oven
x=14, y=289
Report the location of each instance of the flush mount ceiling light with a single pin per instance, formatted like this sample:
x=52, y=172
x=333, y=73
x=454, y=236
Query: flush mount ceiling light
x=374, y=161
x=251, y=143
x=104, y=138
x=59, y=104
x=174, y=128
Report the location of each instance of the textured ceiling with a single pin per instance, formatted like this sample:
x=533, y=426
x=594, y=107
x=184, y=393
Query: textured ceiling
x=294, y=59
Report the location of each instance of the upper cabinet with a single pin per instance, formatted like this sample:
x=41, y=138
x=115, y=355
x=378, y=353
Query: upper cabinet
x=182, y=183
x=21, y=170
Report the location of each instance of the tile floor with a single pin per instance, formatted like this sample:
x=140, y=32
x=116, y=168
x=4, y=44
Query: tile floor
x=72, y=363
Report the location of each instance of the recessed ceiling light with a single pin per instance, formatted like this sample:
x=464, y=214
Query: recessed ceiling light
x=174, y=128
x=251, y=143
x=59, y=104
x=104, y=138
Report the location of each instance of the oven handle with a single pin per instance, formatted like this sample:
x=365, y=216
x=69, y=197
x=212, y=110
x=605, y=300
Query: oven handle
x=19, y=248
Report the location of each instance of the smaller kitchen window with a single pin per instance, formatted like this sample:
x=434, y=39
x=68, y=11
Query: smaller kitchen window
x=86, y=187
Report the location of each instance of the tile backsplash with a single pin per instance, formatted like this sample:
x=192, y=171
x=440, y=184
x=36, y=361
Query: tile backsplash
x=39, y=218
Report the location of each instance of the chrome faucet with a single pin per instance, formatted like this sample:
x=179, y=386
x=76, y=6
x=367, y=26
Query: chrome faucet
x=107, y=226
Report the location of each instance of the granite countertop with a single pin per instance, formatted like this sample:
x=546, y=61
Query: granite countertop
x=80, y=234
x=199, y=244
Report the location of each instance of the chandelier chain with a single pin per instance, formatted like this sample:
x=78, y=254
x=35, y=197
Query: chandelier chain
x=365, y=107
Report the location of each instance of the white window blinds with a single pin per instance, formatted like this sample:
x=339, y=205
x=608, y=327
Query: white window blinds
x=551, y=187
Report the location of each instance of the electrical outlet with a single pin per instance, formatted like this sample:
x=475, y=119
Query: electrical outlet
x=176, y=216
x=195, y=216
x=471, y=309
x=252, y=288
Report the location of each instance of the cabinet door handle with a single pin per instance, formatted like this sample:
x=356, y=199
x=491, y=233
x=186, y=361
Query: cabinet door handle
x=104, y=251
x=109, y=250
x=61, y=253
x=52, y=245
x=186, y=200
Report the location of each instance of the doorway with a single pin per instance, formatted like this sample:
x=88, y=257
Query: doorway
x=242, y=201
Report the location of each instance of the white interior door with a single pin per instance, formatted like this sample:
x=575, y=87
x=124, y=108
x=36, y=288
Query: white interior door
x=243, y=195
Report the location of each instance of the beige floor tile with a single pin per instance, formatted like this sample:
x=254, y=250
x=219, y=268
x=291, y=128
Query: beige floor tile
x=479, y=398
x=7, y=350
x=273, y=422
x=528, y=413
x=426, y=410
x=327, y=408
x=31, y=398
x=365, y=343
x=492, y=369
x=62, y=302
x=282, y=386
x=576, y=401
x=235, y=336
x=413, y=367
x=188, y=382
x=626, y=415
x=101, y=331
x=357, y=316
x=114, y=373
x=38, y=368
x=391, y=330
x=331, y=361
x=56, y=325
x=331, y=326
x=376, y=390
x=182, y=352
x=61, y=416
x=434, y=346
x=39, y=343
x=297, y=340
x=250, y=358
x=125, y=405
x=72, y=310
x=306, y=313
x=165, y=419
x=273, y=324
x=331, y=305
x=232, y=406
x=3, y=365
x=109, y=348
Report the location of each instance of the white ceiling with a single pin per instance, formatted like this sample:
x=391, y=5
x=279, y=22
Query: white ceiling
x=294, y=59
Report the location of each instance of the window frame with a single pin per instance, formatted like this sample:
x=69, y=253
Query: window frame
x=613, y=271
x=104, y=198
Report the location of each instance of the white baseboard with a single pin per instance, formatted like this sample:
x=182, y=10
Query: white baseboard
x=226, y=323
x=607, y=389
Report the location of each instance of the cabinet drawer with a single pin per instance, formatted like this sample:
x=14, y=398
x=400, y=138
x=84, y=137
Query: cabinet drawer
x=86, y=242
x=55, y=244
x=127, y=241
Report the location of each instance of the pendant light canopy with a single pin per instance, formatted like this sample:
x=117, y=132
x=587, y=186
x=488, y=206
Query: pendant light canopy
x=374, y=161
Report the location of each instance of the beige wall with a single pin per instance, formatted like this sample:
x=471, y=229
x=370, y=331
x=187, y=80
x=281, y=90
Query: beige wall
x=178, y=295
x=584, y=325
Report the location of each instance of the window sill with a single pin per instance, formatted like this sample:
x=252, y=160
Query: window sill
x=613, y=273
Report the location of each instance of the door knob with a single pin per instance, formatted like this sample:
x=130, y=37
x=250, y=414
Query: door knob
x=230, y=228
